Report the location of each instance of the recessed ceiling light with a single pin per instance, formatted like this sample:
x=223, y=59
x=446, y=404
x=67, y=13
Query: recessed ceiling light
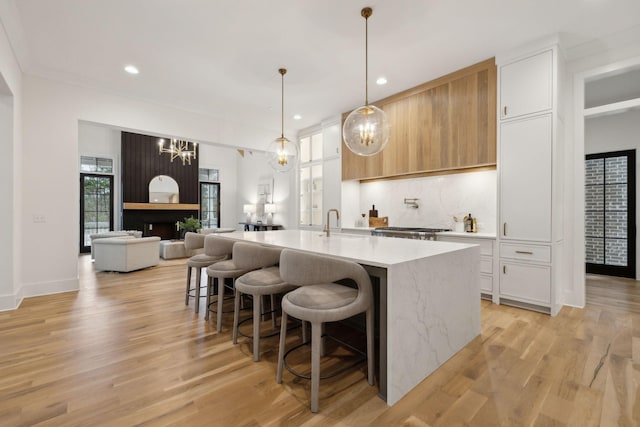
x=297, y=117
x=131, y=69
x=381, y=81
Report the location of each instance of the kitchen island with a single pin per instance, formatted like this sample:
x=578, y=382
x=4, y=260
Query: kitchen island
x=428, y=304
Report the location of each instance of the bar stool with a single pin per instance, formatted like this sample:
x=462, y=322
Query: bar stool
x=319, y=300
x=218, y=272
x=200, y=261
x=264, y=280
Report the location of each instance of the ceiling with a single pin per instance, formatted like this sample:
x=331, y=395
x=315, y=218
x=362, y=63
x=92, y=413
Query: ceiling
x=222, y=57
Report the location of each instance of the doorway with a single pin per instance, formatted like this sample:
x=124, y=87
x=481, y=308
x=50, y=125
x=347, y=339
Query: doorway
x=96, y=207
x=610, y=213
x=210, y=204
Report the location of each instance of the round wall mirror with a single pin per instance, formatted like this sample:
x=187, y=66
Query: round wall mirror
x=164, y=189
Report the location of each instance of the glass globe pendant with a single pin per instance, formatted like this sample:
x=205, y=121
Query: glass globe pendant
x=283, y=154
x=366, y=129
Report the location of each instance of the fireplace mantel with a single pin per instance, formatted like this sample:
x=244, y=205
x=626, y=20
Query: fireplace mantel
x=162, y=206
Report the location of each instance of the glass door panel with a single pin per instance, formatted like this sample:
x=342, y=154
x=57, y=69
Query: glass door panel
x=209, y=205
x=96, y=209
x=610, y=213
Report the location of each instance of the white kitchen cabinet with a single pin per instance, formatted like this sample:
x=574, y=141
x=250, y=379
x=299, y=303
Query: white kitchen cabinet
x=487, y=258
x=526, y=283
x=320, y=173
x=526, y=85
x=530, y=176
x=525, y=190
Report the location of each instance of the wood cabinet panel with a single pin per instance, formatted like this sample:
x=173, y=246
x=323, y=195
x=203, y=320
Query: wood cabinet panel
x=443, y=125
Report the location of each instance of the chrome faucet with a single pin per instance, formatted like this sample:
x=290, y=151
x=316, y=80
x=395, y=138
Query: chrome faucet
x=326, y=227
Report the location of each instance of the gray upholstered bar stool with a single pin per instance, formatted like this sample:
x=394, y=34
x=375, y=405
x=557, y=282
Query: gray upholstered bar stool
x=264, y=280
x=319, y=300
x=218, y=272
x=200, y=261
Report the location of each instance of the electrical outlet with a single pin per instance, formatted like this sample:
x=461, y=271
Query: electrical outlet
x=39, y=219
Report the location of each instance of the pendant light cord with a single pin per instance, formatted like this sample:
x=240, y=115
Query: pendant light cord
x=282, y=72
x=366, y=59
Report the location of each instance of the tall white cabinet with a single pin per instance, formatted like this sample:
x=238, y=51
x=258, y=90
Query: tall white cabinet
x=530, y=238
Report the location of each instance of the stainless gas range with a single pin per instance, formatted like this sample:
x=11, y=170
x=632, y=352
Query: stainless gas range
x=417, y=233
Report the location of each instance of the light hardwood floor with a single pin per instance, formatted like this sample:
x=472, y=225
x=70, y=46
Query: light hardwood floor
x=125, y=350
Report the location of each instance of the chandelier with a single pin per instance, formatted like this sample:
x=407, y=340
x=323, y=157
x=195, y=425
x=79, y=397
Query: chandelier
x=283, y=154
x=366, y=129
x=178, y=148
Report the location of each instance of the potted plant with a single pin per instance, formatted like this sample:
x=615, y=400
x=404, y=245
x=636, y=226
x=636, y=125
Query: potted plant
x=188, y=224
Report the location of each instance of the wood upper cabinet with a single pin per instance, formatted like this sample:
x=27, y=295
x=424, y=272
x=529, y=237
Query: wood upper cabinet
x=443, y=125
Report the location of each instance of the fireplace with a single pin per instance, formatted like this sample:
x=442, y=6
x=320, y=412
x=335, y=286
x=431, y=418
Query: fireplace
x=155, y=220
x=164, y=230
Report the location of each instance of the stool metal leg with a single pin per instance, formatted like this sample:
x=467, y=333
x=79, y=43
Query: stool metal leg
x=236, y=315
x=186, y=300
x=316, y=338
x=220, y=303
x=198, y=278
x=273, y=311
x=256, y=331
x=283, y=338
x=208, y=298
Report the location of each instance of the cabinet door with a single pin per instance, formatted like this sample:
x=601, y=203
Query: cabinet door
x=525, y=282
x=332, y=141
x=525, y=179
x=526, y=86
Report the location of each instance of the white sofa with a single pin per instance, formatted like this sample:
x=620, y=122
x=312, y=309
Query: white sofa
x=108, y=234
x=127, y=253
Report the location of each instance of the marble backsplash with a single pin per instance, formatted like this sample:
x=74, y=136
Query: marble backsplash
x=439, y=199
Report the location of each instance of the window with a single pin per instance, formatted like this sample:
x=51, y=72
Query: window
x=209, y=175
x=96, y=165
x=311, y=180
x=209, y=198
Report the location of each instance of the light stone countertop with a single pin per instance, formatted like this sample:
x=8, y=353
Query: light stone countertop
x=371, y=250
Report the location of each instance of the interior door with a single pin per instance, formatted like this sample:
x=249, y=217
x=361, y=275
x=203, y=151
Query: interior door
x=96, y=207
x=610, y=215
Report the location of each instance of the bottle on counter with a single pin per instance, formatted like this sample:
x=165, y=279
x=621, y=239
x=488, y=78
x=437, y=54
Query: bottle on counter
x=373, y=213
x=468, y=224
x=474, y=225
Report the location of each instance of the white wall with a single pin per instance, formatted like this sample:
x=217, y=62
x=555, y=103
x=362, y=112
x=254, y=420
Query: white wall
x=51, y=113
x=440, y=198
x=224, y=159
x=253, y=169
x=613, y=133
x=103, y=141
x=11, y=166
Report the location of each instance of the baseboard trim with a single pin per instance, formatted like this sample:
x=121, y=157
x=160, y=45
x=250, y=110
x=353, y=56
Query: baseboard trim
x=50, y=288
x=13, y=301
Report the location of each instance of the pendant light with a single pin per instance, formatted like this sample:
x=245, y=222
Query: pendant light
x=366, y=129
x=283, y=154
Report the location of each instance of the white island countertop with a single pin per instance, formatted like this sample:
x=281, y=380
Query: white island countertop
x=371, y=250
x=427, y=297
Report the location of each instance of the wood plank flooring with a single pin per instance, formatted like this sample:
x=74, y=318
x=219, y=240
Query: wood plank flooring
x=126, y=351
